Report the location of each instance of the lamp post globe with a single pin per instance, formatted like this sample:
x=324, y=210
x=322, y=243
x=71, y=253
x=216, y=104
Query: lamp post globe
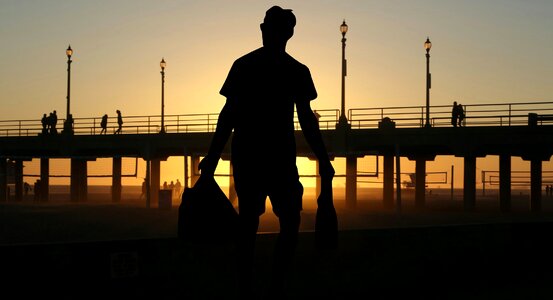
x=69, y=52
x=427, y=44
x=344, y=28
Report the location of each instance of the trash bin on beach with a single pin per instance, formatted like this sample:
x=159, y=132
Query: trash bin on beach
x=165, y=199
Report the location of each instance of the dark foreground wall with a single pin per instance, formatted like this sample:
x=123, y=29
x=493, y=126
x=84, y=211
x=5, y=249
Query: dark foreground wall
x=490, y=261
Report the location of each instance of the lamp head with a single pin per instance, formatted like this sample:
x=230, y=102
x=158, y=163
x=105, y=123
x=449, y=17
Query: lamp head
x=162, y=64
x=427, y=45
x=344, y=28
x=69, y=51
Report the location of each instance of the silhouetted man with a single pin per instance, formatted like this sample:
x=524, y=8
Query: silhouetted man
x=261, y=90
x=68, y=125
x=178, y=187
x=104, y=124
x=53, y=122
x=119, y=122
x=143, y=194
x=461, y=114
x=454, y=114
x=44, y=122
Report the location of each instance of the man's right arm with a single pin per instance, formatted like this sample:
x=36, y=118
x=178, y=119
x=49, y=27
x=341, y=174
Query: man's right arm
x=310, y=127
x=225, y=125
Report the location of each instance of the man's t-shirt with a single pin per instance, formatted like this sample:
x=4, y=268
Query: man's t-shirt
x=263, y=88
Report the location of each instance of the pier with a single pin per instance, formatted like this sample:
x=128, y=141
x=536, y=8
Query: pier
x=508, y=130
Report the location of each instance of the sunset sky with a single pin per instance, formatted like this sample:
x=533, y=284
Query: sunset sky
x=492, y=51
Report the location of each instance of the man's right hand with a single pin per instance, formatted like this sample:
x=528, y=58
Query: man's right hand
x=208, y=165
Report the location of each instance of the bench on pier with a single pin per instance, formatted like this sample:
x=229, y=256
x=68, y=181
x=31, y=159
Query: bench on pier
x=534, y=118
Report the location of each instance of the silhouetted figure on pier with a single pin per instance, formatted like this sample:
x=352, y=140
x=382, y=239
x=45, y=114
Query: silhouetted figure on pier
x=53, y=122
x=36, y=190
x=44, y=122
x=26, y=188
x=261, y=90
x=461, y=114
x=104, y=124
x=143, y=194
x=119, y=122
x=178, y=188
x=454, y=114
x=68, y=125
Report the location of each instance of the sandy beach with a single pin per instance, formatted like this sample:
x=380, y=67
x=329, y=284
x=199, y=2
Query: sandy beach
x=126, y=250
x=97, y=219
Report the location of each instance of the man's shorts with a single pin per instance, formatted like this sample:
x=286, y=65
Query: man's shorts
x=282, y=185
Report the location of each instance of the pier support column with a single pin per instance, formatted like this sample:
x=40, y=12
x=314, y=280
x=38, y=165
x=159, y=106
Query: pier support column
x=469, y=183
x=231, y=189
x=74, y=181
x=148, y=184
x=78, y=185
x=44, y=187
x=186, y=177
x=420, y=183
x=155, y=170
x=505, y=182
x=535, y=184
x=195, y=173
x=351, y=181
x=83, y=191
x=116, y=179
x=388, y=185
x=18, y=174
x=398, y=179
x=3, y=180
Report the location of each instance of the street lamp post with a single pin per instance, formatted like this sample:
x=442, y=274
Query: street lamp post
x=343, y=29
x=68, y=127
x=427, y=46
x=162, y=64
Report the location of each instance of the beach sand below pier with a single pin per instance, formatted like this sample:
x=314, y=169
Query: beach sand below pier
x=70, y=249
x=97, y=219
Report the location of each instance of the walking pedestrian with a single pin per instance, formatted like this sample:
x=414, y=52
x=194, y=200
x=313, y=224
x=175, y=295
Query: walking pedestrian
x=104, y=124
x=119, y=122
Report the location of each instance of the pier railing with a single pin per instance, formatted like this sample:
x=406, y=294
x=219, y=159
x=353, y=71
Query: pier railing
x=188, y=123
x=508, y=114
